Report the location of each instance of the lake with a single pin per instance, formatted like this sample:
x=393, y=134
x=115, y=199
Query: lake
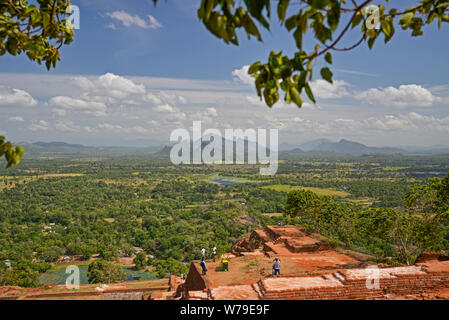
x=58, y=277
x=226, y=182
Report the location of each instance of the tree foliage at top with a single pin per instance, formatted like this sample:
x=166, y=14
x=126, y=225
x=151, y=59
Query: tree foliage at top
x=329, y=21
x=37, y=30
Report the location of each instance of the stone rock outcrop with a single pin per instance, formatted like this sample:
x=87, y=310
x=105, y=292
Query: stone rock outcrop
x=279, y=240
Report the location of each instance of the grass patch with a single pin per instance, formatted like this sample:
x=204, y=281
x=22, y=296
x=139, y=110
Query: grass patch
x=320, y=191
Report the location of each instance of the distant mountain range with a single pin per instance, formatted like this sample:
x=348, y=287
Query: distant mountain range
x=200, y=147
x=318, y=147
x=63, y=148
x=347, y=147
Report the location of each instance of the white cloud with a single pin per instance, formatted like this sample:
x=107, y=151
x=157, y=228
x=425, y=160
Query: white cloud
x=171, y=98
x=164, y=108
x=115, y=128
x=411, y=121
x=404, y=96
x=241, y=75
x=298, y=119
x=67, y=126
x=16, y=119
x=176, y=118
x=15, y=97
x=128, y=20
x=111, y=26
x=89, y=107
x=41, y=125
x=324, y=90
x=428, y=122
x=109, y=86
x=60, y=112
x=321, y=88
x=153, y=99
x=138, y=106
x=212, y=112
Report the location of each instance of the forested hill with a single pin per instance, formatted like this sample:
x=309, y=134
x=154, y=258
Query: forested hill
x=63, y=148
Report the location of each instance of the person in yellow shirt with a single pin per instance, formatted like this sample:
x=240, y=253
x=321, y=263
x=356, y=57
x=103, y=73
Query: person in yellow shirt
x=225, y=263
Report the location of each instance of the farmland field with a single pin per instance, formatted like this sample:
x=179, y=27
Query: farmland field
x=322, y=191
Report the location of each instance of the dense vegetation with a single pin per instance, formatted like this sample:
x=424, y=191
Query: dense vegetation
x=111, y=208
x=398, y=234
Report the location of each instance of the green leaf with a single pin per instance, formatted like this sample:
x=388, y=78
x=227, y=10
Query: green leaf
x=386, y=28
x=291, y=22
x=288, y=97
x=326, y=74
x=442, y=5
x=250, y=27
x=282, y=9
x=357, y=19
x=318, y=4
x=254, y=67
x=309, y=92
x=20, y=151
x=256, y=7
x=371, y=42
x=406, y=19
x=295, y=96
x=322, y=33
x=271, y=96
x=298, y=37
x=333, y=16
x=328, y=57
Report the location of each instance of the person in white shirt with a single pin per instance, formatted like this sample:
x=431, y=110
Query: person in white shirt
x=214, y=253
x=203, y=253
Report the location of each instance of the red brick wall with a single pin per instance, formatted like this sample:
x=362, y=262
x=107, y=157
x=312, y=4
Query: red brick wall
x=356, y=289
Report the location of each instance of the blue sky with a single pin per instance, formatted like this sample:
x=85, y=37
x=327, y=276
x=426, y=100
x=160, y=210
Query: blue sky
x=129, y=77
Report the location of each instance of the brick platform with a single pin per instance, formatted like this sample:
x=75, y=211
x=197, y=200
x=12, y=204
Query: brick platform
x=344, y=284
x=311, y=269
x=243, y=292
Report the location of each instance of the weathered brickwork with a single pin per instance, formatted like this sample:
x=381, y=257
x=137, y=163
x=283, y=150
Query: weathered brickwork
x=430, y=274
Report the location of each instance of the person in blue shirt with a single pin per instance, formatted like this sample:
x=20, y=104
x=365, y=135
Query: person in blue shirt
x=276, y=267
x=203, y=266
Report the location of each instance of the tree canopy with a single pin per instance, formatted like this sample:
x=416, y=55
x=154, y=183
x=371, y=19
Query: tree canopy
x=40, y=32
x=401, y=233
x=329, y=21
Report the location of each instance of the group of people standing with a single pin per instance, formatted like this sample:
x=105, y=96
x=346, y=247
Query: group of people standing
x=276, y=263
x=203, y=258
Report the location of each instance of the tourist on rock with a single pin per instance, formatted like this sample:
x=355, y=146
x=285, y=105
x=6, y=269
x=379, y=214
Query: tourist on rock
x=276, y=267
x=203, y=266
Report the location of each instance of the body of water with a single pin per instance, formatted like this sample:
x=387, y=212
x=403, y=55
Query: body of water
x=226, y=182
x=58, y=277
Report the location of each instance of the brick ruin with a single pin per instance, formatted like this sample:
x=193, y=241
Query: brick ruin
x=314, y=270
